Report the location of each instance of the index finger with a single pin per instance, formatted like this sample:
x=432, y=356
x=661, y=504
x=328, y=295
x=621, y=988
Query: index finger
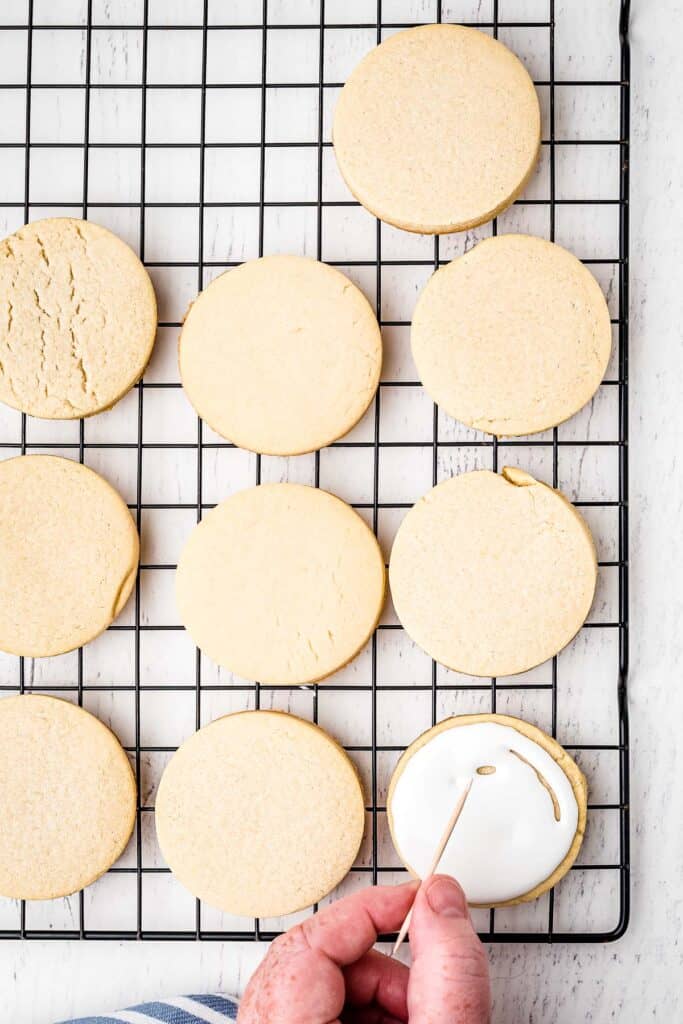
x=347, y=929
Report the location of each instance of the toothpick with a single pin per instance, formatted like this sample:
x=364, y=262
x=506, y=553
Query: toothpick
x=448, y=832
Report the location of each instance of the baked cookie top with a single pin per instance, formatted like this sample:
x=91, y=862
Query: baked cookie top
x=281, y=355
x=281, y=583
x=513, y=337
x=524, y=819
x=78, y=319
x=437, y=129
x=260, y=813
x=68, y=555
x=67, y=797
x=492, y=574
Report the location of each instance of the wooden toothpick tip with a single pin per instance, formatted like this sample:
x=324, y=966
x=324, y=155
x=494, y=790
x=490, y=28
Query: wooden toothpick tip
x=438, y=854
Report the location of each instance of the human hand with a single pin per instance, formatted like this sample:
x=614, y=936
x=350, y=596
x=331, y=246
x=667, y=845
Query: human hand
x=325, y=971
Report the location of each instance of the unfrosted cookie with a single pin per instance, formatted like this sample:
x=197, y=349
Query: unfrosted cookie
x=513, y=337
x=67, y=798
x=281, y=355
x=78, y=319
x=438, y=129
x=260, y=814
x=524, y=819
x=68, y=555
x=281, y=583
x=492, y=574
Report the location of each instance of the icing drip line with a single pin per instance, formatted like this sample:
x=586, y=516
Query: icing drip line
x=544, y=782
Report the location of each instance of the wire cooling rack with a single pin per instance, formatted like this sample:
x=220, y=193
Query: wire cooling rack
x=199, y=131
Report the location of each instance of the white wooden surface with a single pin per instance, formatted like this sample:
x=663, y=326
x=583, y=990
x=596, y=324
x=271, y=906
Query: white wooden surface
x=639, y=978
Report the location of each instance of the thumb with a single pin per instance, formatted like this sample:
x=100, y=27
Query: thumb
x=449, y=978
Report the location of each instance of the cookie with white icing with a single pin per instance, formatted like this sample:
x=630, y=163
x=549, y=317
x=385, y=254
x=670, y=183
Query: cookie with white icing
x=492, y=573
x=512, y=338
x=67, y=797
x=281, y=583
x=78, y=322
x=437, y=129
x=523, y=822
x=281, y=355
x=260, y=813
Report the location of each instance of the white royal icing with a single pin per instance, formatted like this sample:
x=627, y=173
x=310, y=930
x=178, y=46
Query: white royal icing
x=507, y=840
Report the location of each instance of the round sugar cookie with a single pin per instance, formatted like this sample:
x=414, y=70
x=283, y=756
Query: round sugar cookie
x=281, y=583
x=281, y=355
x=524, y=818
x=260, y=813
x=68, y=555
x=437, y=129
x=492, y=574
x=513, y=337
x=79, y=319
x=67, y=798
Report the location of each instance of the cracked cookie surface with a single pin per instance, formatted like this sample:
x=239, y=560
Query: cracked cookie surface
x=281, y=355
x=67, y=797
x=492, y=574
x=78, y=319
x=260, y=813
x=281, y=583
x=512, y=338
x=68, y=555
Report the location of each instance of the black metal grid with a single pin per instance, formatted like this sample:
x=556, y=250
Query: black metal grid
x=439, y=690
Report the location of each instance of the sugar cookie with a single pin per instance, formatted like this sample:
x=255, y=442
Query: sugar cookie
x=282, y=355
x=513, y=337
x=67, y=798
x=524, y=820
x=260, y=813
x=492, y=574
x=437, y=129
x=68, y=555
x=79, y=319
x=281, y=583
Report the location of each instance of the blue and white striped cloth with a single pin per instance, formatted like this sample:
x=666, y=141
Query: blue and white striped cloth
x=209, y=1009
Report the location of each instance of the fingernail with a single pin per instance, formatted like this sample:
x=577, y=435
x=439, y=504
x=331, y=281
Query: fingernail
x=445, y=897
